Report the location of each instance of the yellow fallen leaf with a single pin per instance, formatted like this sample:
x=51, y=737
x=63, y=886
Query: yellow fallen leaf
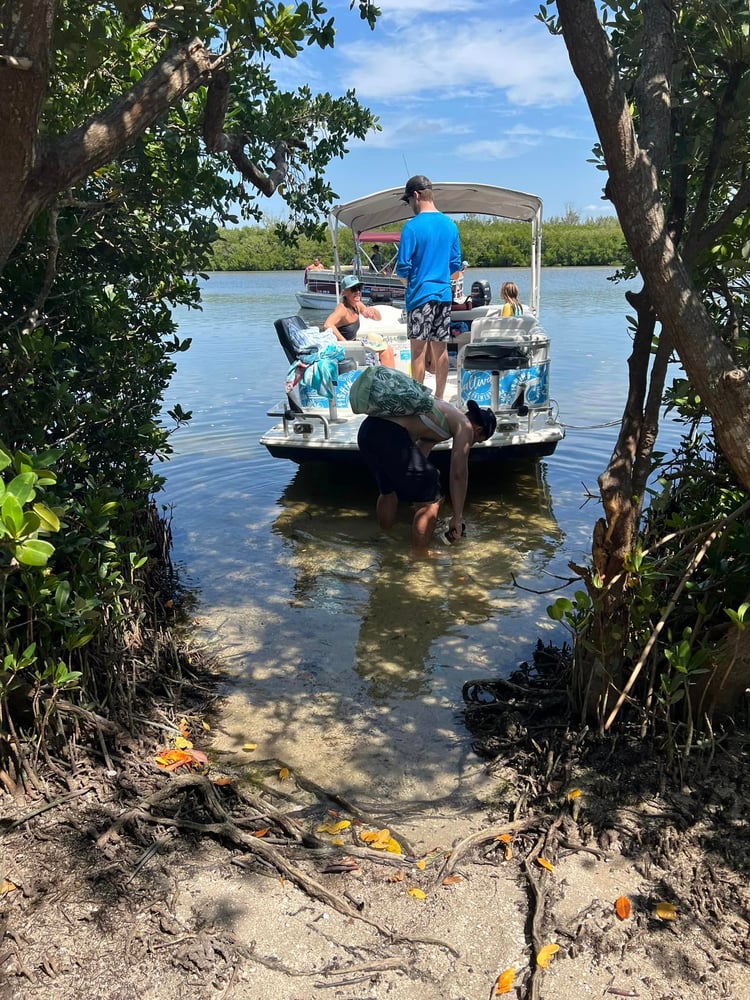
x=283, y=774
x=249, y=747
x=6, y=887
x=181, y=743
x=417, y=893
x=505, y=982
x=338, y=841
x=665, y=911
x=381, y=841
x=342, y=824
x=373, y=836
x=544, y=955
x=421, y=864
x=622, y=907
x=574, y=793
x=545, y=864
x=206, y=727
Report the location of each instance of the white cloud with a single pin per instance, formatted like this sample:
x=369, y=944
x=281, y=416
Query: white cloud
x=397, y=132
x=506, y=148
x=409, y=11
x=601, y=207
x=549, y=133
x=517, y=57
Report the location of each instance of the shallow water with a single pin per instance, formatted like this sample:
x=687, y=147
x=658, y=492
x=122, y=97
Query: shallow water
x=348, y=658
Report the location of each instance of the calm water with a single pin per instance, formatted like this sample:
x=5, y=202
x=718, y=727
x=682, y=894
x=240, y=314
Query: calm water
x=348, y=659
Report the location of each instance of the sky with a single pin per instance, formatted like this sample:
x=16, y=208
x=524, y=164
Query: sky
x=465, y=91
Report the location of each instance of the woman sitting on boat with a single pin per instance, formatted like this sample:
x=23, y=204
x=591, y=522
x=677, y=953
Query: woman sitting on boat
x=345, y=321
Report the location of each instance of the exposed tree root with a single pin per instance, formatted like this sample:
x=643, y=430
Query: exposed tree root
x=228, y=828
x=491, y=833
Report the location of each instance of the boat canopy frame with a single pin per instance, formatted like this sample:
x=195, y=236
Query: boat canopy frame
x=383, y=208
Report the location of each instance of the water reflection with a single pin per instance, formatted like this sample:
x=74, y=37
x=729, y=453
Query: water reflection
x=422, y=625
x=346, y=659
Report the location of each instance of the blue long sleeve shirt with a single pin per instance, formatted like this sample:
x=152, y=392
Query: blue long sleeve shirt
x=429, y=252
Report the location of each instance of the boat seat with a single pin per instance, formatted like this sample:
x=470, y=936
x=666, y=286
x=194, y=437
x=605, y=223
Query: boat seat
x=494, y=357
x=494, y=326
x=289, y=330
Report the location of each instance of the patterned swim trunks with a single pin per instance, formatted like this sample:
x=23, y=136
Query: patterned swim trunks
x=430, y=321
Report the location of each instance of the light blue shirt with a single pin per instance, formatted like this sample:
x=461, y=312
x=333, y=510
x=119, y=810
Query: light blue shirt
x=429, y=252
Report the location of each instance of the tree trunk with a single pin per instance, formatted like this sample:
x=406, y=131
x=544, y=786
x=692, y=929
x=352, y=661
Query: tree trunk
x=25, y=29
x=634, y=189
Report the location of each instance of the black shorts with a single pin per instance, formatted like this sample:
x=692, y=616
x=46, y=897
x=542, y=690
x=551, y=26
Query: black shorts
x=430, y=321
x=396, y=462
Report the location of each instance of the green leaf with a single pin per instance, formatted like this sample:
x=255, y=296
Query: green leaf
x=34, y=552
x=31, y=523
x=22, y=487
x=12, y=515
x=559, y=609
x=48, y=518
x=62, y=595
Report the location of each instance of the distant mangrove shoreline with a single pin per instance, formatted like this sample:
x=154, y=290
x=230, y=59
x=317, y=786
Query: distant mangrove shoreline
x=566, y=242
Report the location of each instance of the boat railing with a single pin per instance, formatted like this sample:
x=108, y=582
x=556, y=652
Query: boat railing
x=301, y=420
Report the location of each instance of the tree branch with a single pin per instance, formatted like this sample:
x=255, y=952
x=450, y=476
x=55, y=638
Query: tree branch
x=234, y=143
x=717, y=151
x=735, y=208
x=66, y=161
x=265, y=183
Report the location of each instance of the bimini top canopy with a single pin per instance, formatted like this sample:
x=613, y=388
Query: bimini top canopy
x=376, y=237
x=452, y=198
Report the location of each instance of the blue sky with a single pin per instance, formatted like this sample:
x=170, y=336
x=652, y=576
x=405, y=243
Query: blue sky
x=464, y=90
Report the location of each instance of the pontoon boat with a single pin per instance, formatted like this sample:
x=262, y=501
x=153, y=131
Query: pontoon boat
x=502, y=362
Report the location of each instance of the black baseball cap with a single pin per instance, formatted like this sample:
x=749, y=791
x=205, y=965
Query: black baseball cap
x=483, y=418
x=416, y=183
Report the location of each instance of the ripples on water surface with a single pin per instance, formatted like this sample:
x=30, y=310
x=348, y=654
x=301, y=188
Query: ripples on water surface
x=331, y=632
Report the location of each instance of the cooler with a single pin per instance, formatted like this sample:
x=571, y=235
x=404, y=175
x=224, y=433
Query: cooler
x=506, y=365
x=312, y=400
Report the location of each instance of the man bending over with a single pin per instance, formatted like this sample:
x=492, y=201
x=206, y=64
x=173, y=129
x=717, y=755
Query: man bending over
x=397, y=451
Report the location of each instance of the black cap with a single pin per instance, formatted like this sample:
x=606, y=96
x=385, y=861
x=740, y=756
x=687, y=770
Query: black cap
x=485, y=419
x=416, y=183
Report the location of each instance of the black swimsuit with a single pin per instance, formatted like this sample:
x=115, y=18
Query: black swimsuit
x=349, y=330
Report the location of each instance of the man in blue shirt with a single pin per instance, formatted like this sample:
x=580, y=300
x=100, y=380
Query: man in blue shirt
x=428, y=255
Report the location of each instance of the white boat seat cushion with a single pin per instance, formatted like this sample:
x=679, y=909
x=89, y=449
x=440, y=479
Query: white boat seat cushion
x=493, y=326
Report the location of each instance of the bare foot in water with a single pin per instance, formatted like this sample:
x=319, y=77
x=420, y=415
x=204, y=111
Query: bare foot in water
x=422, y=554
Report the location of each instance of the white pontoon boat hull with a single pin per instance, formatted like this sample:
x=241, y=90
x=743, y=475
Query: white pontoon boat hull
x=304, y=438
